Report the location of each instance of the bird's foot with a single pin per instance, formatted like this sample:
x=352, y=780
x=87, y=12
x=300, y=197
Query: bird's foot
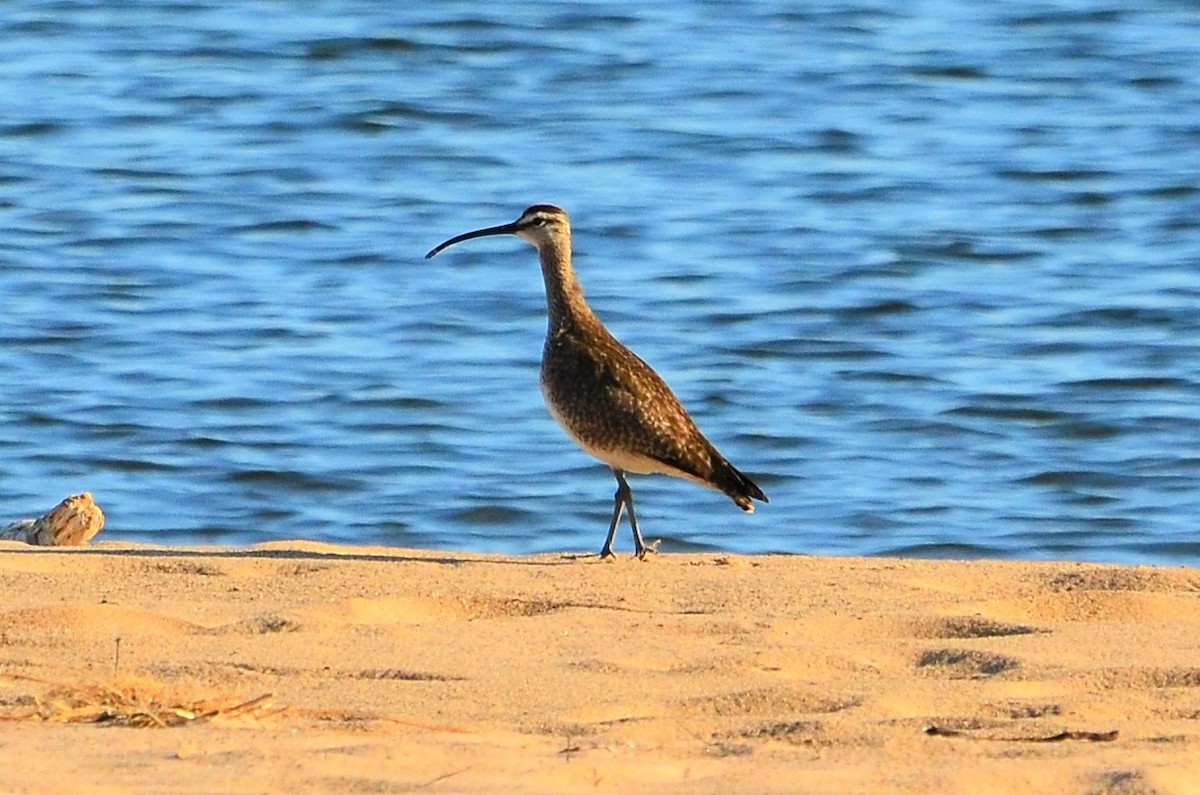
x=607, y=552
x=648, y=549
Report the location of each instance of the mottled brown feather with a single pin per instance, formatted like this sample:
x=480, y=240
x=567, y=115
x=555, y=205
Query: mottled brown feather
x=607, y=397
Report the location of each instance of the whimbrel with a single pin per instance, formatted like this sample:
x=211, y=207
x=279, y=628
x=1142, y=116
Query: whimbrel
x=603, y=395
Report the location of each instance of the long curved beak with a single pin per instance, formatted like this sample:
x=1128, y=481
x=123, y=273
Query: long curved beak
x=503, y=229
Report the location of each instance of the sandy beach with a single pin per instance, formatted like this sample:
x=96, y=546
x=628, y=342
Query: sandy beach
x=300, y=667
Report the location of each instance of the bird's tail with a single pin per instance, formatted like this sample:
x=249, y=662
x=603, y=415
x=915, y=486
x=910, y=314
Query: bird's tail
x=741, y=489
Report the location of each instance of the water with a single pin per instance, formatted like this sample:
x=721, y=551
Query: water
x=930, y=274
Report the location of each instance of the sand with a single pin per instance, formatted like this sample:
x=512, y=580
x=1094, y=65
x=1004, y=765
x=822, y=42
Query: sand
x=298, y=667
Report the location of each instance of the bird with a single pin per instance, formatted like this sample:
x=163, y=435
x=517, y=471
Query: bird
x=606, y=398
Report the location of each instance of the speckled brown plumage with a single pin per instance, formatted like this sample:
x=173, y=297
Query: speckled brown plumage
x=603, y=395
x=608, y=399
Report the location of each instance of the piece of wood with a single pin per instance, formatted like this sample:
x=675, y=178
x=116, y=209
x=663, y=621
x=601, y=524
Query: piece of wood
x=72, y=523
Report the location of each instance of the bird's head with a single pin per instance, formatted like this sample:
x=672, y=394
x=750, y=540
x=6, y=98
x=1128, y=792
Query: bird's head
x=541, y=225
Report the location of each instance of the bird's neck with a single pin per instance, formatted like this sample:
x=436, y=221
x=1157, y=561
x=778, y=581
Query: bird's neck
x=564, y=295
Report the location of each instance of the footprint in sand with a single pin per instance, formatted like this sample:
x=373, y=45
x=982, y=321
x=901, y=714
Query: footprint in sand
x=766, y=701
x=967, y=627
x=964, y=663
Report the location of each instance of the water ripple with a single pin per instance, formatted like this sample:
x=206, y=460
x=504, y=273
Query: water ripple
x=928, y=275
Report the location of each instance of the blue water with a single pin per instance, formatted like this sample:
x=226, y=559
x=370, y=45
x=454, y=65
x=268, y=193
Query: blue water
x=928, y=271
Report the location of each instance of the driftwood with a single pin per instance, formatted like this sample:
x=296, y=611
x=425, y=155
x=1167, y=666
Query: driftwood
x=71, y=523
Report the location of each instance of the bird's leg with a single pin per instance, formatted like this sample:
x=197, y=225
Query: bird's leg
x=625, y=494
x=618, y=506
